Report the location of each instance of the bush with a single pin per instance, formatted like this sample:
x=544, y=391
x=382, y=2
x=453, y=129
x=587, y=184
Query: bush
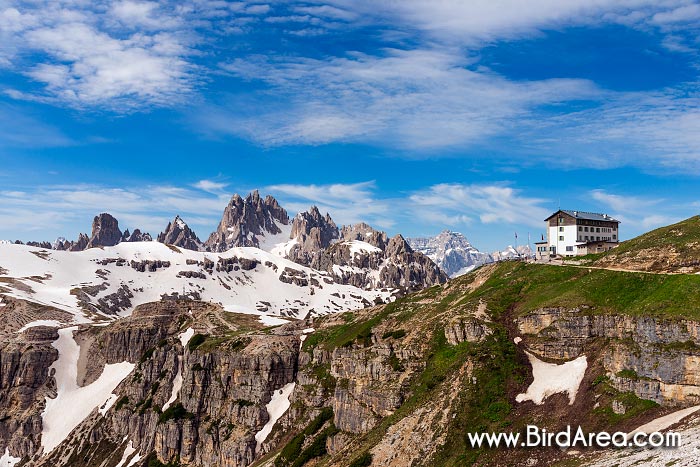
x=398, y=334
x=121, y=402
x=196, y=341
x=175, y=412
x=365, y=460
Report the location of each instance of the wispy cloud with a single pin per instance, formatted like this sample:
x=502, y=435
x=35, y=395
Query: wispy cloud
x=637, y=213
x=347, y=203
x=415, y=99
x=58, y=209
x=461, y=205
x=211, y=186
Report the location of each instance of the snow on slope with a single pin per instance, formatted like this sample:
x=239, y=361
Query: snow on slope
x=277, y=406
x=7, y=460
x=685, y=455
x=550, y=378
x=177, y=382
x=275, y=286
x=72, y=403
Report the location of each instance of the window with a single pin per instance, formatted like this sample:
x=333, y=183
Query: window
x=597, y=229
x=561, y=238
x=569, y=248
x=561, y=229
x=561, y=220
x=580, y=228
x=597, y=239
x=614, y=237
x=586, y=237
x=585, y=229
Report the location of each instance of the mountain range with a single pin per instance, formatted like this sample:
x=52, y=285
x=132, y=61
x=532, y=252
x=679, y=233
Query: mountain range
x=146, y=354
x=356, y=254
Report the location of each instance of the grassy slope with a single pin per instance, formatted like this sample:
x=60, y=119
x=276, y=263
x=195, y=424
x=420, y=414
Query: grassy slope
x=512, y=289
x=671, y=247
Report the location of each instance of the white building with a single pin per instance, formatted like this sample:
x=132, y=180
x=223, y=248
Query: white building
x=572, y=233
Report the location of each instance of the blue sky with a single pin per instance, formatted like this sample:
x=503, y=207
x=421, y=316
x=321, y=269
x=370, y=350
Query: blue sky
x=415, y=116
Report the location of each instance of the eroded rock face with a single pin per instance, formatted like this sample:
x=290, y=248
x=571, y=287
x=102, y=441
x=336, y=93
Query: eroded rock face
x=245, y=220
x=179, y=234
x=105, y=231
x=656, y=359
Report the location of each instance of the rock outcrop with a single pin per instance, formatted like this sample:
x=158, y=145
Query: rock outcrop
x=136, y=236
x=245, y=221
x=179, y=234
x=105, y=231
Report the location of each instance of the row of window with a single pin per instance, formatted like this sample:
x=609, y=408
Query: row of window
x=587, y=238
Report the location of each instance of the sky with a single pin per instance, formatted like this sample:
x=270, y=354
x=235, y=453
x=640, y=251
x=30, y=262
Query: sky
x=415, y=116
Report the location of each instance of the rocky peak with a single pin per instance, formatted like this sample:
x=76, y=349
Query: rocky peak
x=136, y=236
x=244, y=220
x=81, y=243
x=365, y=233
x=313, y=233
x=105, y=231
x=179, y=234
x=398, y=246
x=312, y=228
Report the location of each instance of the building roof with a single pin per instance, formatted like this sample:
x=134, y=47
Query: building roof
x=592, y=216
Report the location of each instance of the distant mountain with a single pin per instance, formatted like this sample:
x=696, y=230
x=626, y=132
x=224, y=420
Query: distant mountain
x=356, y=255
x=511, y=252
x=451, y=251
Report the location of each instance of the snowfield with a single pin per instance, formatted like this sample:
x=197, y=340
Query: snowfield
x=550, y=378
x=73, y=403
x=274, y=287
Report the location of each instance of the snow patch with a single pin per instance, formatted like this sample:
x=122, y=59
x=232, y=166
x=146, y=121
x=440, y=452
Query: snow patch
x=7, y=460
x=550, y=378
x=268, y=320
x=177, y=382
x=73, y=403
x=128, y=451
x=664, y=422
x=358, y=247
x=52, y=323
x=186, y=336
x=108, y=404
x=277, y=406
x=136, y=458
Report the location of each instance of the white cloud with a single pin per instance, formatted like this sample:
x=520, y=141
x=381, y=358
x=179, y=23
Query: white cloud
x=346, y=203
x=638, y=214
x=211, y=186
x=119, y=55
x=457, y=204
x=66, y=210
x=415, y=99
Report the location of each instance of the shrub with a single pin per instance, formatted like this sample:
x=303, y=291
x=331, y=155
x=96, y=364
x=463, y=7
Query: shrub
x=196, y=341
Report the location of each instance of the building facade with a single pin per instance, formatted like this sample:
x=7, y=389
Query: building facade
x=573, y=233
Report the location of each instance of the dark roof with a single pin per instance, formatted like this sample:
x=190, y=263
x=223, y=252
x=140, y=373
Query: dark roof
x=591, y=216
